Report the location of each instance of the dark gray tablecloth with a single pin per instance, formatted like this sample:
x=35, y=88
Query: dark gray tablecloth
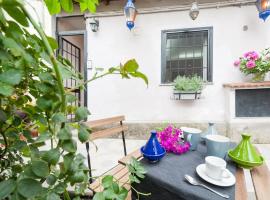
x=165, y=179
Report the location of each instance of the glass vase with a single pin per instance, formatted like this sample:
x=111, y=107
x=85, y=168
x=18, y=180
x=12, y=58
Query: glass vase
x=211, y=129
x=258, y=77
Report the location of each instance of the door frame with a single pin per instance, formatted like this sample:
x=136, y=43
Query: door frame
x=84, y=34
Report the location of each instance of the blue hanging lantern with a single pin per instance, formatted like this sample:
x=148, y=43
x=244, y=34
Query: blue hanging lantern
x=263, y=7
x=130, y=13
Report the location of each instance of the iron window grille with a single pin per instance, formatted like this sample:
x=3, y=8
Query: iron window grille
x=187, y=52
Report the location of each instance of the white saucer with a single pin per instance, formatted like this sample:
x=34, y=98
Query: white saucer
x=225, y=182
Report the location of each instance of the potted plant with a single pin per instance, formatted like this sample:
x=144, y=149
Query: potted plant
x=187, y=87
x=257, y=64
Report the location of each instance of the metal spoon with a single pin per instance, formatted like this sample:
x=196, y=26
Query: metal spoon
x=193, y=181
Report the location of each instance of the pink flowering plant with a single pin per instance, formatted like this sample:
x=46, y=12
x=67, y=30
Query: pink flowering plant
x=170, y=139
x=254, y=63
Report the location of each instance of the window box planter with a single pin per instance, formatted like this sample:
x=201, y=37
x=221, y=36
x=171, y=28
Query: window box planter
x=186, y=95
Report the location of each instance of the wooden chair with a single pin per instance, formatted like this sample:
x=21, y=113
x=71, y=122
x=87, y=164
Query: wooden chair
x=100, y=129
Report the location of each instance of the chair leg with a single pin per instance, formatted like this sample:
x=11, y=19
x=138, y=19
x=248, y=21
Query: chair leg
x=89, y=162
x=124, y=141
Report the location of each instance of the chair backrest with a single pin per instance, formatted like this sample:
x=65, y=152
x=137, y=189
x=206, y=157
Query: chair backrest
x=102, y=128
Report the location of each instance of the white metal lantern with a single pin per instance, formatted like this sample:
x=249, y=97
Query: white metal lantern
x=194, y=11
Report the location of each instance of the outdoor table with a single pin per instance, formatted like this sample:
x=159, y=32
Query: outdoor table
x=165, y=179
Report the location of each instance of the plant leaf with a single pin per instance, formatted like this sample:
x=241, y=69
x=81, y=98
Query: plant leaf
x=83, y=134
x=53, y=196
x=81, y=113
x=69, y=146
x=6, y=89
x=99, y=196
x=64, y=133
x=67, y=5
x=52, y=42
x=13, y=46
x=140, y=75
x=51, y=179
x=11, y=77
x=53, y=6
x=17, y=14
x=52, y=156
x=6, y=187
x=29, y=188
x=131, y=65
x=58, y=118
x=107, y=181
x=40, y=168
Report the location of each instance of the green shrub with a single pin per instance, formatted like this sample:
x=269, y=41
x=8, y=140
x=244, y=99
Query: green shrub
x=190, y=84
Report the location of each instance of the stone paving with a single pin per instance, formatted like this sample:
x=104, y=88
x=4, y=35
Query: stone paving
x=111, y=150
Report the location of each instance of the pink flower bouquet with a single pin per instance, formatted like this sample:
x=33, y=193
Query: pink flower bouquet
x=169, y=139
x=254, y=63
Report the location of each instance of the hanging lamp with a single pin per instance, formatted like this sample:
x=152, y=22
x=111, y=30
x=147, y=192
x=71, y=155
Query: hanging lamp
x=263, y=7
x=130, y=14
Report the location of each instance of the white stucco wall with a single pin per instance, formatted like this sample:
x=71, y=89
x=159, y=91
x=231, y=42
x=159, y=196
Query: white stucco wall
x=40, y=13
x=114, y=43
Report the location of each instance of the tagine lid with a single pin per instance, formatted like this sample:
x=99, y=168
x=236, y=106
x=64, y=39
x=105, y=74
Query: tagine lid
x=245, y=151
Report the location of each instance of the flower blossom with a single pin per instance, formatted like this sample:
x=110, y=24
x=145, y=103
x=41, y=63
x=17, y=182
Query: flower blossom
x=170, y=139
x=251, y=64
x=251, y=55
x=236, y=63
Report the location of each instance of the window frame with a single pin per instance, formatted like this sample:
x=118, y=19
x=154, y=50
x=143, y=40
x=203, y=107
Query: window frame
x=209, y=50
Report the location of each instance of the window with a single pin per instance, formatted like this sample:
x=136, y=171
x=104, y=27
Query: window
x=186, y=52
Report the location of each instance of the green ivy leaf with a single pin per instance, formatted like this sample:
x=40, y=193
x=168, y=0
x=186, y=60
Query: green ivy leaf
x=58, y=118
x=6, y=89
x=138, y=74
x=53, y=196
x=77, y=177
x=131, y=65
x=60, y=188
x=68, y=159
x=6, y=187
x=99, y=196
x=29, y=188
x=40, y=168
x=52, y=156
x=11, y=77
x=46, y=77
x=67, y=5
x=81, y=113
x=71, y=98
x=109, y=193
x=53, y=6
x=64, y=133
x=107, y=181
x=123, y=194
x=69, y=146
x=44, y=103
x=83, y=134
x=16, y=13
x=115, y=187
x=13, y=46
x=51, y=179
x=29, y=173
x=52, y=42
x=43, y=137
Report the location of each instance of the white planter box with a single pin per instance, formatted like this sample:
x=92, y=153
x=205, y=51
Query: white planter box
x=185, y=95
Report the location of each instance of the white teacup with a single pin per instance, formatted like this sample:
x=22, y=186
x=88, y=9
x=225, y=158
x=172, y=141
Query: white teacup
x=215, y=168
